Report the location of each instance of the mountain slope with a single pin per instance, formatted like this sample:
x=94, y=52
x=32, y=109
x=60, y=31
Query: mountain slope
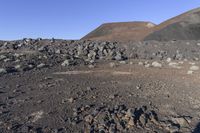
x=123, y=31
x=183, y=27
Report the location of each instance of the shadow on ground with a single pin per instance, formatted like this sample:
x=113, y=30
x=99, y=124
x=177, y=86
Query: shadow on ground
x=197, y=129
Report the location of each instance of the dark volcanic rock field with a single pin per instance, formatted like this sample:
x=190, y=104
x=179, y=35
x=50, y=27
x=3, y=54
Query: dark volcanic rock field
x=62, y=86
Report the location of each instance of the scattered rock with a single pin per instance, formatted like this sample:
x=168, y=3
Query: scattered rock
x=143, y=119
x=119, y=118
x=7, y=60
x=130, y=112
x=156, y=64
x=17, y=67
x=181, y=121
x=174, y=65
x=173, y=129
x=147, y=65
x=140, y=63
x=178, y=55
x=123, y=62
x=131, y=122
x=169, y=60
x=71, y=100
x=89, y=119
x=36, y=116
x=58, y=51
x=89, y=88
x=3, y=71
x=52, y=40
x=42, y=49
x=190, y=72
x=2, y=57
x=67, y=63
x=194, y=68
x=192, y=63
x=112, y=96
x=138, y=87
x=118, y=57
x=131, y=63
x=112, y=64
x=91, y=66
x=42, y=65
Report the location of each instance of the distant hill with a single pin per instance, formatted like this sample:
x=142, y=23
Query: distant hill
x=183, y=27
x=123, y=31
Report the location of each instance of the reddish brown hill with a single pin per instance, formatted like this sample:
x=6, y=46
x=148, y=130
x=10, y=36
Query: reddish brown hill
x=183, y=27
x=123, y=31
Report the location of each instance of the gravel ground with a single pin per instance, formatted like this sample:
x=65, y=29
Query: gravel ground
x=60, y=86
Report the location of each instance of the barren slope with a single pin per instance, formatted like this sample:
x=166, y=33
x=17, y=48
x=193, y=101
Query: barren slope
x=124, y=31
x=183, y=27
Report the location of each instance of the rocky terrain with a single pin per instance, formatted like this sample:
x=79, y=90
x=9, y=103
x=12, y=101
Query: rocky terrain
x=62, y=86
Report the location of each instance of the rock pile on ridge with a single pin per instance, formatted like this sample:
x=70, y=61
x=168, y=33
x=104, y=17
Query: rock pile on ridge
x=32, y=54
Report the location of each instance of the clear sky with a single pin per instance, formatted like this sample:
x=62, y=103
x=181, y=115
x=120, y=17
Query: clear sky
x=72, y=19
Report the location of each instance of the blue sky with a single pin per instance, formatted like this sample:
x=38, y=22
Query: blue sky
x=72, y=19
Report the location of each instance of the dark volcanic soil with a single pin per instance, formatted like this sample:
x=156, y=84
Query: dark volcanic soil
x=182, y=27
x=58, y=86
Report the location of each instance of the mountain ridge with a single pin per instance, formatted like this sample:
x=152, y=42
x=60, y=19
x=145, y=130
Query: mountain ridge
x=185, y=26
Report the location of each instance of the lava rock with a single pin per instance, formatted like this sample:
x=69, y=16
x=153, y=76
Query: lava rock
x=156, y=64
x=67, y=63
x=3, y=71
x=42, y=65
x=194, y=68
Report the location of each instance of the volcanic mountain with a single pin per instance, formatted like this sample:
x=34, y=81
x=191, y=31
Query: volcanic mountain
x=183, y=27
x=122, y=31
